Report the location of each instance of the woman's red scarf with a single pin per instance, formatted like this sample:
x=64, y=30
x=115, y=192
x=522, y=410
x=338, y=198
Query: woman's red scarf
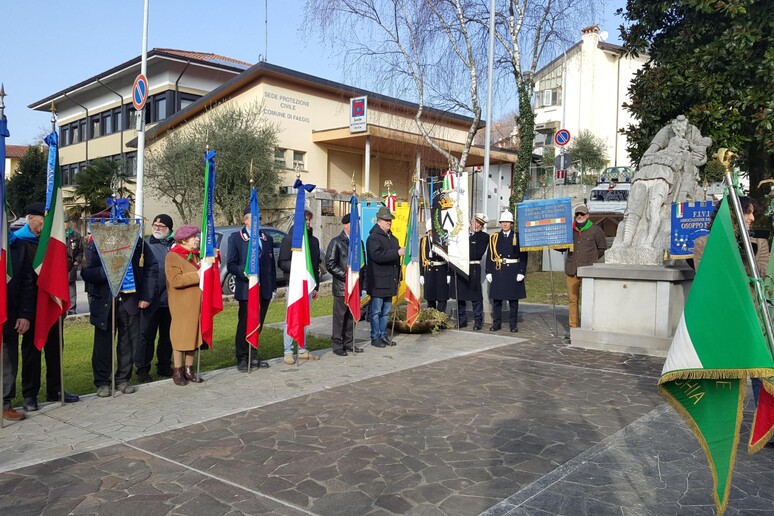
x=191, y=257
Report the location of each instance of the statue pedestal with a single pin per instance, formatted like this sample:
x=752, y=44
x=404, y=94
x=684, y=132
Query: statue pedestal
x=631, y=308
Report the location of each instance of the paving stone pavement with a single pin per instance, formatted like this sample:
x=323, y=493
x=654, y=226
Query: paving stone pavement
x=465, y=423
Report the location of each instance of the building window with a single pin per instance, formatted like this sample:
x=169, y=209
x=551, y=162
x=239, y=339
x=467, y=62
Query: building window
x=131, y=164
x=107, y=122
x=75, y=133
x=94, y=127
x=131, y=117
x=299, y=160
x=82, y=137
x=279, y=158
x=186, y=100
x=118, y=119
x=64, y=134
x=160, y=107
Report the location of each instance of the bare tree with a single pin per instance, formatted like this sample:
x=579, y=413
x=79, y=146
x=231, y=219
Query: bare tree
x=428, y=50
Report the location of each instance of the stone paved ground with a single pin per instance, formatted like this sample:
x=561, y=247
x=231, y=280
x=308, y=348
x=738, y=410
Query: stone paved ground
x=467, y=424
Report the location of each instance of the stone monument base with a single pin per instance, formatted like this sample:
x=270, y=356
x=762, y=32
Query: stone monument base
x=631, y=308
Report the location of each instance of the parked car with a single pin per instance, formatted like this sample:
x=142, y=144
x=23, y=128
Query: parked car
x=222, y=234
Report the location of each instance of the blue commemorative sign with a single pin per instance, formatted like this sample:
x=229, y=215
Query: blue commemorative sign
x=690, y=220
x=545, y=223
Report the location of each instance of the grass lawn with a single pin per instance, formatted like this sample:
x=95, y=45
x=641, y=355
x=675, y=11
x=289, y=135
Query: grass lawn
x=79, y=336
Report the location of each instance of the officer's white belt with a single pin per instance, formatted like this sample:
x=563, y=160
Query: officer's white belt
x=510, y=260
x=437, y=264
x=475, y=262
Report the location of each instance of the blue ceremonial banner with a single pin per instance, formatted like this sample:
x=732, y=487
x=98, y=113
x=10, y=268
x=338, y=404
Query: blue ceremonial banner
x=690, y=220
x=545, y=223
x=368, y=212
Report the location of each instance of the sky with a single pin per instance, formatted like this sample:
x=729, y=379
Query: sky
x=51, y=44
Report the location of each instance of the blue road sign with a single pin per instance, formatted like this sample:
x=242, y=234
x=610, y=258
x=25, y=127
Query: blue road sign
x=140, y=92
x=562, y=137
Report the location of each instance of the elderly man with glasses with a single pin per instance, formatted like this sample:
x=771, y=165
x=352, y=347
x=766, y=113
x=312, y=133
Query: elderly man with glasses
x=589, y=244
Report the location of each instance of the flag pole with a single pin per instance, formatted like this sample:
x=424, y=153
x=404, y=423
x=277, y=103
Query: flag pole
x=249, y=250
x=113, y=348
x=726, y=157
x=2, y=360
x=60, y=342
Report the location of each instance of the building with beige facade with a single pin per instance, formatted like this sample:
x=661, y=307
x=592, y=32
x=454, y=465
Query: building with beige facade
x=585, y=88
x=13, y=155
x=311, y=113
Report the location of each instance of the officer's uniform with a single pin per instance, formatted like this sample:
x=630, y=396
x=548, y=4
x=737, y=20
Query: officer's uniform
x=505, y=262
x=469, y=289
x=434, y=271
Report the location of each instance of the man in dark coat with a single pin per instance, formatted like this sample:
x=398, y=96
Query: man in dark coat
x=27, y=238
x=469, y=289
x=74, y=242
x=237, y=254
x=284, y=261
x=336, y=262
x=383, y=271
x=589, y=244
x=434, y=272
x=21, y=299
x=156, y=318
x=136, y=294
x=506, y=267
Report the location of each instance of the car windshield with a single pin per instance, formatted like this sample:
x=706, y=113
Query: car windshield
x=609, y=195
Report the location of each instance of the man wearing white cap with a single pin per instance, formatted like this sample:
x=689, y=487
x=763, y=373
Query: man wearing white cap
x=469, y=289
x=589, y=244
x=506, y=267
x=434, y=272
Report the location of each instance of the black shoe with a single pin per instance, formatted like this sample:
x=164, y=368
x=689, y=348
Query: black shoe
x=494, y=328
x=166, y=372
x=340, y=352
x=30, y=404
x=144, y=377
x=257, y=363
x=463, y=325
x=242, y=366
x=388, y=342
x=514, y=330
x=378, y=343
x=68, y=398
x=477, y=326
x=356, y=350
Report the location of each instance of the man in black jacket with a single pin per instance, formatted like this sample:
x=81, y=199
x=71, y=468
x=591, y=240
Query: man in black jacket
x=131, y=300
x=236, y=255
x=285, y=258
x=156, y=318
x=384, y=254
x=336, y=262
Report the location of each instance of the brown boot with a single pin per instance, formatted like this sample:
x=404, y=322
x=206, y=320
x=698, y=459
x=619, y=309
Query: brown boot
x=178, y=376
x=191, y=376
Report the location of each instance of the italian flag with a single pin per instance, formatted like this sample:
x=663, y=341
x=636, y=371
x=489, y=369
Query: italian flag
x=411, y=262
x=50, y=261
x=252, y=270
x=717, y=345
x=302, y=279
x=449, y=181
x=209, y=272
x=354, y=261
x=3, y=231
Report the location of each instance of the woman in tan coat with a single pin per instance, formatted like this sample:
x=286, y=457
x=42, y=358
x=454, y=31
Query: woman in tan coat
x=185, y=300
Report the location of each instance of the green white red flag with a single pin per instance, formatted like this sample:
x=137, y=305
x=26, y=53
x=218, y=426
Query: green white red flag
x=209, y=272
x=717, y=345
x=411, y=262
x=50, y=261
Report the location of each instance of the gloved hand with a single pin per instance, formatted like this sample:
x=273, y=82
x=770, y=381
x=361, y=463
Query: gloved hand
x=519, y=277
x=448, y=279
x=489, y=278
x=421, y=280
x=362, y=293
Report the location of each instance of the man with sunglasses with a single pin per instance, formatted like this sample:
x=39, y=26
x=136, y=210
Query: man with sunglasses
x=589, y=244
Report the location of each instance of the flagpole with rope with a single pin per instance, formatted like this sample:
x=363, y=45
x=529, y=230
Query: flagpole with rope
x=726, y=157
x=3, y=240
x=353, y=206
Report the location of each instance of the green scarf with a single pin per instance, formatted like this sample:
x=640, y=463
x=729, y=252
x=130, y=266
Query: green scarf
x=586, y=226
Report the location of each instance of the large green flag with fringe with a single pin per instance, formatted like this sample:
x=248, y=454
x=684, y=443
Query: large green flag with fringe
x=717, y=345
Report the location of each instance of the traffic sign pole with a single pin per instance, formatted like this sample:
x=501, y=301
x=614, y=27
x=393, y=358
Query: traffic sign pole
x=140, y=194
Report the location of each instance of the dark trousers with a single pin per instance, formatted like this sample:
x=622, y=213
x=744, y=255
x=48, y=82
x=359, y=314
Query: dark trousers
x=10, y=363
x=151, y=323
x=497, y=313
x=438, y=305
x=128, y=328
x=343, y=324
x=31, y=366
x=240, y=344
x=478, y=311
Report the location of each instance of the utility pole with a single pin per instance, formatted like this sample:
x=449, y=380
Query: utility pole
x=138, y=204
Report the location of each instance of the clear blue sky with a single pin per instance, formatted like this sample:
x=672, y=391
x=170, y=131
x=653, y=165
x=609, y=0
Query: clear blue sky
x=53, y=44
